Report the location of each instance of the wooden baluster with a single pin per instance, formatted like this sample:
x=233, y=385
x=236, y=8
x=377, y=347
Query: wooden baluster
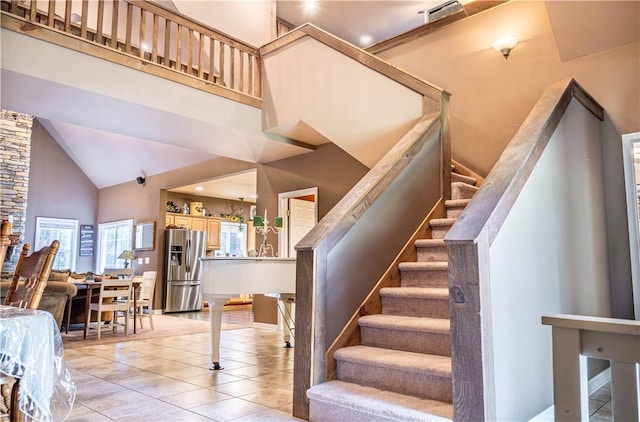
x=83, y=21
x=100, y=21
x=250, y=79
x=257, y=92
x=232, y=66
x=67, y=16
x=241, y=84
x=51, y=14
x=212, y=51
x=190, y=51
x=141, y=38
x=221, y=63
x=114, y=24
x=179, y=49
x=200, y=56
x=127, y=43
x=14, y=7
x=154, y=47
x=167, y=43
x=33, y=10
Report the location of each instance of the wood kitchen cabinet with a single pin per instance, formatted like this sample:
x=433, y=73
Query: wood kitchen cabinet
x=182, y=221
x=205, y=224
x=199, y=224
x=213, y=234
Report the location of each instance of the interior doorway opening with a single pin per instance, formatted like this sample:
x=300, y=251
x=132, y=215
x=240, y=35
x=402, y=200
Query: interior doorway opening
x=300, y=211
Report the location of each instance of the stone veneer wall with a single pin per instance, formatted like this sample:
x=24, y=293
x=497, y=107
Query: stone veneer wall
x=15, y=154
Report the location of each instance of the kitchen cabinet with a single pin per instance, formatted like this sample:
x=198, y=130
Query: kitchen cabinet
x=213, y=234
x=182, y=221
x=205, y=224
x=199, y=224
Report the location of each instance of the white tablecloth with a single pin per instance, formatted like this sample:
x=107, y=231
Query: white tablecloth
x=31, y=349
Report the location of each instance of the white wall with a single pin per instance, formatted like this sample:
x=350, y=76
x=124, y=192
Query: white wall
x=549, y=257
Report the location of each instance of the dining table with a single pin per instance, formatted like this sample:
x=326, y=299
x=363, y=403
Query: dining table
x=90, y=286
x=31, y=352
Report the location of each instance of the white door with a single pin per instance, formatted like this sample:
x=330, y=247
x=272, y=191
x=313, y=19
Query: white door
x=302, y=218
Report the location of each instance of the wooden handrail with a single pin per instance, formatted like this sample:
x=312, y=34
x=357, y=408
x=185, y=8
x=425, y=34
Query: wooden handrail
x=176, y=46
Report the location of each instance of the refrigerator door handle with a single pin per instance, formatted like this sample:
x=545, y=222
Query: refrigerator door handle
x=188, y=255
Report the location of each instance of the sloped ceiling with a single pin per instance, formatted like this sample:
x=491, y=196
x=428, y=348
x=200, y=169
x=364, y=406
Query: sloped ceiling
x=586, y=27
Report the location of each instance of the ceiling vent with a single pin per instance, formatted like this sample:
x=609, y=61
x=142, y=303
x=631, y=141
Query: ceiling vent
x=441, y=11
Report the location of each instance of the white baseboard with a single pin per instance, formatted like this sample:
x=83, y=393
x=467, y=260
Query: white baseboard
x=595, y=383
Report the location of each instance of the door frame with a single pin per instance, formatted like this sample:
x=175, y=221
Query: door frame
x=283, y=199
x=630, y=182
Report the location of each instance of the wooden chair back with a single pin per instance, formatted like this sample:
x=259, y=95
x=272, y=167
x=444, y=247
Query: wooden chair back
x=148, y=286
x=4, y=241
x=30, y=276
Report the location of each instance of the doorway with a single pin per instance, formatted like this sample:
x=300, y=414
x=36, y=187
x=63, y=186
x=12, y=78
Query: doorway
x=300, y=209
x=631, y=161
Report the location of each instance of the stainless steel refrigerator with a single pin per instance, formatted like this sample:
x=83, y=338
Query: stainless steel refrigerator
x=182, y=270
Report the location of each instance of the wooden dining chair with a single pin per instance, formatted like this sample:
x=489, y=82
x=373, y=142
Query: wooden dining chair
x=145, y=298
x=28, y=283
x=30, y=276
x=115, y=296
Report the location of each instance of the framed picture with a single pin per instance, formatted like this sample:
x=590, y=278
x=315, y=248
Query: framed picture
x=252, y=212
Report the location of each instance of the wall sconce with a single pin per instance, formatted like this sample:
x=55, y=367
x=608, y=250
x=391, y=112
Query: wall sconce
x=504, y=45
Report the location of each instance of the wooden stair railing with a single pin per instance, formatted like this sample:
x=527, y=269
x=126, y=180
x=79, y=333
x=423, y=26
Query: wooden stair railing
x=176, y=45
x=469, y=241
x=376, y=217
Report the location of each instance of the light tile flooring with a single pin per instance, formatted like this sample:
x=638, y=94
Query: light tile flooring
x=168, y=378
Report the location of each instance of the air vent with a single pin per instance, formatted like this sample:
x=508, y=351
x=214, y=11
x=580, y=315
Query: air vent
x=439, y=12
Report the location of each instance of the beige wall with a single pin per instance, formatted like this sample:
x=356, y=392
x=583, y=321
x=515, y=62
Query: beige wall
x=58, y=188
x=491, y=96
x=315, y=94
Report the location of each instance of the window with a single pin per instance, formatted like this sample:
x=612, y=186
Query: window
x=65, y=231
x=113, y=238
x=233, y=239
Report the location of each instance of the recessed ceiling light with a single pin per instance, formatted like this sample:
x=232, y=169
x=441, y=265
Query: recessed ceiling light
x=199, y=188
x=254, y=196
x=310, y=6
x=365, y=40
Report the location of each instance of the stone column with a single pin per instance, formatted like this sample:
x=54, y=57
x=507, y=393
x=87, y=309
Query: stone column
x=15, y=157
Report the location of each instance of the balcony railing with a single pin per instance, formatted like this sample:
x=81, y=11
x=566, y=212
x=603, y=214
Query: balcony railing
x=150, y=33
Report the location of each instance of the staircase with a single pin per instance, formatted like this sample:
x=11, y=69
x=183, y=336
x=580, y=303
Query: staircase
x=401, y=371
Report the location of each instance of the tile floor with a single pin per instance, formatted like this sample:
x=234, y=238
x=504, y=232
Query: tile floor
x=168, y=378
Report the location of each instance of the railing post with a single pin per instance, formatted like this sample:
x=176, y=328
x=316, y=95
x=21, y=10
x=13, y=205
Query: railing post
x=303, y=351
x=570, y=392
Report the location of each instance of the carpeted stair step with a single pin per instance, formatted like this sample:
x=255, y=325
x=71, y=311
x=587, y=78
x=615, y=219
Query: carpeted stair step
x=430, y=250
x=457, y=177
x=460, y=190
x=414, y=374
x=455, y=206
x=440, y=227
x=424, y=274
x=415, y=301
x=411, y=334
x=343, y=401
